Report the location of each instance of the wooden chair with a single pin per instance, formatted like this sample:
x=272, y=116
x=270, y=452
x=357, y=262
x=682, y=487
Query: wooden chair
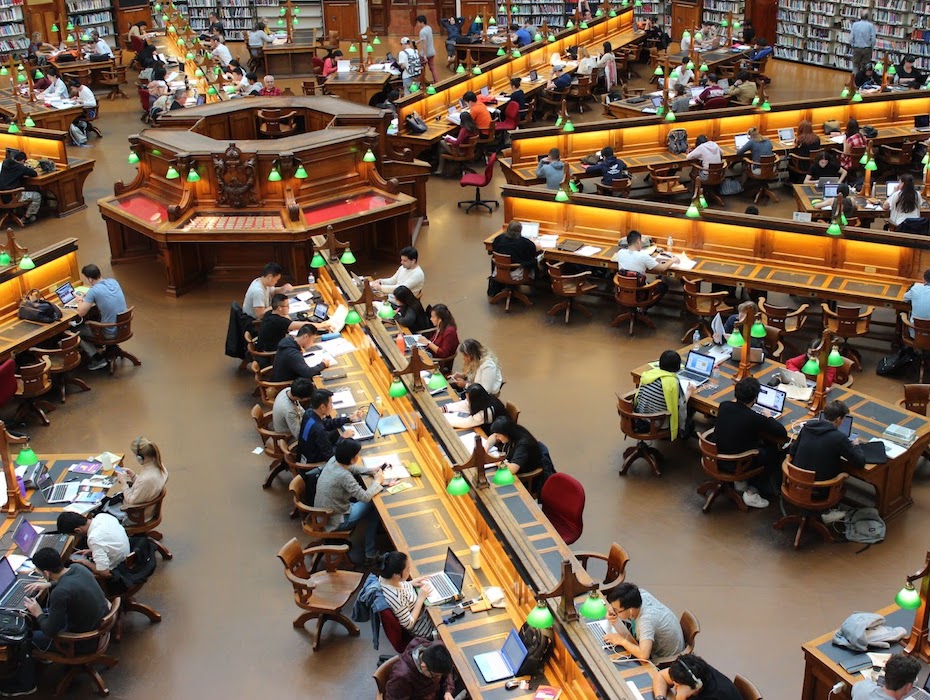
x=383, y=674
x=10, y=206
x=799, y=166
x=313, y=520
x=256, y=57
x=569, y=288
x=33, y=381
x=690, y=628
x=64, y=651
x=635, y=299
x=122, y=331
x=581, y=91
x=657, y=430
x=710, y=186
x=739, y=467
x=717, y=102
x=756, y=70
x=848, y=322
x=128, y=603
x=629, y=92
x=552, y=102
x=269, y=438
x=487, y=140
x=895, y=160
x=503, y=275
x=530, y=481
x=263, y=358
x=787, y=321
x=616, y=561
x=321, y=595
x=916, y=399
x=767, y=168
x=64, y=359
x=84, y=76
x=292, y=460
x=915, y=334
x=620, y=187
x=267, y=390
x=527, y=114
x=114, y=78
x=276, y=123
x=801, y=489
x=308, y=87
x=90, y=116
x=745, y=688
x=704, y=306
x=772, y=343
x=461, y=155
x=844, y=375
x=513, y=411
x=144, y=518
x=665, y=182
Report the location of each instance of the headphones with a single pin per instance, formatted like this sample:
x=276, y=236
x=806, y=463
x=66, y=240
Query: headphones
x=698, y=683
x=137, y=447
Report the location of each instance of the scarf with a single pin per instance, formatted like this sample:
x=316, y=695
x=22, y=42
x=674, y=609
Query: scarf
x=670, y=389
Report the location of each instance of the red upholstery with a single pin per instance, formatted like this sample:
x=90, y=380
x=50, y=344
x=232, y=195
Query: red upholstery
x=717, y=103
x=562, y=501
x=511, y=117
x=7, y=381
x=136, y=44
x=480, y=179
x=397, y=635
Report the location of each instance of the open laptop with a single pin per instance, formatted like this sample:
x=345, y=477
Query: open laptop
x=698, y=368
x=485, y=92
x=447, y=584
x=67, y=296
x=12, y=589
x=534, y=77
x=63, y=493
x=771, y=400
x=922, y=122
x=824, y=181
x=343, y=66
x=366, y=430
x=29, y=541
x=891, y=187
x=498, y=665
x=793, y=378
x=845, y=427
x=830, y=189
x=320, y=313
x=786, y=136
x=740, y=140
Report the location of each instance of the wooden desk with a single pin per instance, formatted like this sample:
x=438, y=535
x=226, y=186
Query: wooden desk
x=45, y=116
x=482, y=52
x=357, y=87
x=809, y=199
x=891, y=480
x=290, y=60
x=93, y=66
x=712, y=59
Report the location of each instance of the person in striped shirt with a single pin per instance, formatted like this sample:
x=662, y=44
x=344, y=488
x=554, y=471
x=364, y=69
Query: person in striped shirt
x=406, y=598
x=660, y=391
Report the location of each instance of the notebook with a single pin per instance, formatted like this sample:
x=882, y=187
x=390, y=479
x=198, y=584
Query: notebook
x=446, y=584
x=771, y=400
x=366, y=430
x=740, y=140
x=698, y=368
x=891, y=187
x=498, y=665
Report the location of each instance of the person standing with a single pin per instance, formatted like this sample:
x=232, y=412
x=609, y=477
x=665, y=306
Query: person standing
x=410, y=64
x=426, y=45
x=861, y=40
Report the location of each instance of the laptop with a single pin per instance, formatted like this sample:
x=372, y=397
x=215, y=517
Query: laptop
x=793, y=378
x=786, y=136
x=922, y=122
x=63, y=493
x=891, y=187
x=66, y=295
x=13, y=589
x=845, y=427
x=771, y=400
x=366, y=430
x=830, y=189
x=824, y=181
x=485, y=92
x=698, y=368
x=320, y=313
x=656, y=101
x=498, y=665
x=343, y=66
x=723, y=83
x=741, y=140
x=447, y=584
x=534, y=76
x=29, y=541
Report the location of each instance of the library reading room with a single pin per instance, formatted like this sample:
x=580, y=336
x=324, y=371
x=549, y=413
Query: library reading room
x=289, y=280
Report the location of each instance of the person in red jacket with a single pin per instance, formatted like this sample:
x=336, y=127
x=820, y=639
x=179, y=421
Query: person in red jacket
x=796, y=363
x=444, y=341
x=423, y=672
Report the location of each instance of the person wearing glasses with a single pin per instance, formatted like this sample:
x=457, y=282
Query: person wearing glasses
x=646, y=628
x=423, y=672
x=690, y=676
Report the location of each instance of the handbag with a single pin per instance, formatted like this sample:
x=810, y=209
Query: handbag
x=32, y=307
x=415, y=124
x=831, y=126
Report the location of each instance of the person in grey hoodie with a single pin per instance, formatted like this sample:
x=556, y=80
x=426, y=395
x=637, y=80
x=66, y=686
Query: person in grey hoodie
x=552, y=168
x=823, y=449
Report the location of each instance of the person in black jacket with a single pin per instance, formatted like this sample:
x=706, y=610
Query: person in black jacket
x=319, y=432
x=521, y=450
x=410, y=312
x=739, y=429
x=289, y=358
x=275, y=325
x=522, y=251
x=610, y=167
x=823, y=449
x=12, y=173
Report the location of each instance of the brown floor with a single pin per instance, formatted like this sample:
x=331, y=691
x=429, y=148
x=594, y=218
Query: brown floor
x=227, y=608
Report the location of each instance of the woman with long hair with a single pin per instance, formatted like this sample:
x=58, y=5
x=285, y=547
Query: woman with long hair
x=410, y=312
x=148, y=483
x=479, y=366
x=449, y=145
x=854, y=139
x=445, y=339
x=521, y=450
x=477, y=409
x=806, y=140
x=406, y=598
x=905, y=202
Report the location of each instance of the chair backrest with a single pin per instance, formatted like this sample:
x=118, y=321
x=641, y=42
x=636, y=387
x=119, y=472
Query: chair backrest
x=35, y=379
x=528, y=114
x=690, y=628
x=583, y=87
x=846, y=321
x=122, y=326
x=383, y=673
x=7, y=381
x=772, y=341
x=292, y=556
x=801, y=488
x=394, y=631
x=144, y=517
x=737, y=466
x=275, y=121
x=768, y=168
x=782, y=317
x=716, y=173
x=717, y=103
x=69, y=352
x=562, y=500
x=566, y=285
x=701, y=303
x=745, y=688
x=71, y=645
x=629, y=419
x=308, y=87
x=489, y=169
x=513, y=411
x=916, y=397
x=630, y=293
x=917, y=334
x=503, y=268
x=511, y=112
x=617, y=559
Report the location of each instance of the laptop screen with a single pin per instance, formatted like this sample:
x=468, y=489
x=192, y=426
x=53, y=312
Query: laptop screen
x=343, y=66
x=830, y=189
x=921, y=121
x=25, y=536
x=534, y=76
x=7, y=575
x=656, y=101
x=320, y=310
x=771, y=398
x=485, y=92
x=786, y=134
x=740, y=140
x=454, y=569
x=891, y=187
x=371, y=420
x=65, y=293
x=845, y=426
x=513, y=651
x=700, y=363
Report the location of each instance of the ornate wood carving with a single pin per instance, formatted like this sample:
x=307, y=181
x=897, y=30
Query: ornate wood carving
x=235, y=178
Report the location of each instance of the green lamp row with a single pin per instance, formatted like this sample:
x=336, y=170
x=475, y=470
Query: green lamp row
x=593, y=608
x=25, y=263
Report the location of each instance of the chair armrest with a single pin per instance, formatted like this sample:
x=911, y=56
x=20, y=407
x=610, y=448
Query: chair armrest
x=800, y=311
x=712, y=295
x=867, y=312
x=327, y=549
x=838, y=479
x=740, y=455
x=827, y=310
x=583, y=557
x=906, y=321
x=577, y=277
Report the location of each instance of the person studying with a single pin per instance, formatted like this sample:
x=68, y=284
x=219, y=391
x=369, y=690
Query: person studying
x=654, y=631
x=634, y=259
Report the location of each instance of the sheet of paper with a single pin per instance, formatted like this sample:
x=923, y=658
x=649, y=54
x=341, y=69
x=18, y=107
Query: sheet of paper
x=684, y=262
x=720, y=353
x=548, y=242
x=303, y=296
x=338, y=346
x=796, y=393
x=343, y=398
x=878, y=660
x=589, y=250
x=315, y=358
x=395, y=468
x=297, y=306
x=16, y=560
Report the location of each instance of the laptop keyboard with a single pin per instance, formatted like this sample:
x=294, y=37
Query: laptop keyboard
x=693, y=376
x=598, y=629
x=16, y=595
x=58, y=493
x=361, y=430
x=442, y=586
x=56, y=542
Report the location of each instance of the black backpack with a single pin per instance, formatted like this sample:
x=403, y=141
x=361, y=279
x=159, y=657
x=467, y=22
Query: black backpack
x=310, y=476
x=538, y=645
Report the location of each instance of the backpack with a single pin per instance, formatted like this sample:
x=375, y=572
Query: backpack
x=892, y=364
x=310, y=477
x=865, y=525
x=78, y=134
x=677, y=141
x=538, y=645
x=414, y=64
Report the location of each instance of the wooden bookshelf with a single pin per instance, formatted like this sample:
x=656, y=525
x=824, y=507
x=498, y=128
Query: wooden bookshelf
x=13, y=37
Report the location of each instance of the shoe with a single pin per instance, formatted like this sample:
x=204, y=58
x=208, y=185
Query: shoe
x=94, y=365
x=15, y=693
x=833, y=516
x=754, y=500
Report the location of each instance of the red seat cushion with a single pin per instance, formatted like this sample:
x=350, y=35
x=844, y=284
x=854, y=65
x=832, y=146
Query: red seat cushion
x=473, y=180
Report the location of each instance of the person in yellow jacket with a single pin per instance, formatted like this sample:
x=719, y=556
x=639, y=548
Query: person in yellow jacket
x=661, y=391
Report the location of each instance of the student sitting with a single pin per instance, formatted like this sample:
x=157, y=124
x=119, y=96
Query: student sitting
x=655, y=631
x=824, y=166
x=480, y=366
x=288, y=411
x=682, y=101
x=743, y=89
x=319, y=431
x=823, y=449
x=660, y=391
x=410, y=312
x=522, y=251
x=552, y=169
x=692, y=677
x=609, y=167
x=423, y=672
x=406, y=598
x=796, y=364
x=522, y=452
x=477, y=409
x=457, y=145
x=444, y=341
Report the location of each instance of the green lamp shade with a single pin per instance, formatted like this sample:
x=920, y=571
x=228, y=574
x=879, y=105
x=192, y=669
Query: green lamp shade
x=352, y=318
x=570, y=25
x=583, y=25
x=736, y=24
x=171, y=30
x=501, y=10
x=156, y=152
x=436, y=381
x=26, y=263
x=397, y=390
x=704, y=68
x=369, y=156
x=5, y=259
x=843, y=220
x=377, y=41
x=501, y=52
x=670, y=117
x=558, y=121
x=460, y=69
x=476, y=70
x=845, y=92
x=491, y=20
x=594, y=608
x=537, y=37
x=458, y=486
x=164, y=18
x=892, y=70
x=55, y=26
x=857, y=97
x=348, y=258
x=172, y=173
x=540, y=617
x=478, y=19
x=353, y=48
x=192, y=175
x=189, y=56
x=811, y=367
x=70, y=26
x=757, y=330
x=702, y=201
x=369, y=49
x=199, y=72
x=211, y=90
x=834, y=359
x=766, y=106
x=613, y=12
x=280, y=21
x=755, y=101
x=698, y=36
x=157, y=9
x=674, y=75
x=516, y=53
x=317, y=261
x=736, y=340
x=551, y=37
x=561, y=196
x=414, y=87
x=871, y=165
x=4, y=71
x=387, y=311
x=274, y=175
x=638, y=3
x=295, y=22
x=724, y=23
x=573, y=186
x=693, y=212
x=26, y=456
x=283, y=11
x=503, y=477
x=690, y=65
x=926, y=159
x=599, y=13
x=180, y=41
x=834, y=229
x=430, y=89
x=21, y=78
x=569, y=127
x=13, y=128
x=658, y=71
x=660, y=110
x=864, y=159
x=908, y=598
x=300, y=173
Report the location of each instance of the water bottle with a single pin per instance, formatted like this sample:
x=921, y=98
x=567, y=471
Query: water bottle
x=311, y=281
x=696, y=339
x=669, y=244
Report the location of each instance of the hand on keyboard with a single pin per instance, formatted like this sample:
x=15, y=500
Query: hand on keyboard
x=33, y=589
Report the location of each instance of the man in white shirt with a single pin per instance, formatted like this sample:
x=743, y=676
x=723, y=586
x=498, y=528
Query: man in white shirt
x=409, y=274
x=426, y=45
x=219, y=51
x=107, y=543
x=99, y=48
x=85, y=96
x=634, y=259
x=258, y=296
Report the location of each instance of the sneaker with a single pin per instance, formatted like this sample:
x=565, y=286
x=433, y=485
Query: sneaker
x=833, y=516
x=17, y=693
x=754, y=500
x=94, y=365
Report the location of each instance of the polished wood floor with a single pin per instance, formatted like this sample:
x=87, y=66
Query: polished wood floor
x=227, y=608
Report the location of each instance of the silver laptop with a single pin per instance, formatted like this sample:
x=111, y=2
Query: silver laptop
x=13, y=589
x=830, y=189
x=824, y=181
x=771, y=400
x=922, y=122
x=793, y=378
x=485, y=92
x=698, y=368
x=366, y=430
x=598, y=628
x=447, y=584
x=498, y=665
x=786, y=136
x=67, y=296
x=63, y=493
x=740, y=140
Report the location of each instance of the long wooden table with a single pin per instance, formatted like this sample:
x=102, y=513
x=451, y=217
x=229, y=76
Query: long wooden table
x=809, y=199
x=357, y=87
x=45, y=116
x=891, y=480
x=290, y=60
